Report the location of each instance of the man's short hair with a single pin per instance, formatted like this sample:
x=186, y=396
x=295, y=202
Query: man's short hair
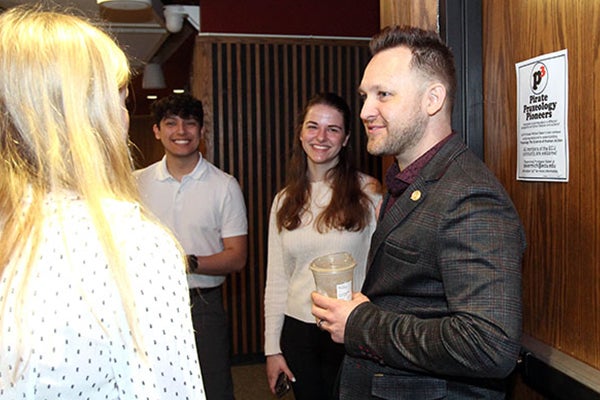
x=182, y=105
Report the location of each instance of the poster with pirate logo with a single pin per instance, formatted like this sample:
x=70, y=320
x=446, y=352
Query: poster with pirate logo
x=542, y=100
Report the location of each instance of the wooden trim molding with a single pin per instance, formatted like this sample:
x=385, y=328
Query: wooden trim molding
x=557, y=374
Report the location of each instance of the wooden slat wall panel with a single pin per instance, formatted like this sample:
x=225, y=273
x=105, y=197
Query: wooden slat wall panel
x=253, y=89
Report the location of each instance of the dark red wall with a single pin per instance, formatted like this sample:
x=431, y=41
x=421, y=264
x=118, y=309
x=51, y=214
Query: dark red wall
x=346, y=18
x=291, y=17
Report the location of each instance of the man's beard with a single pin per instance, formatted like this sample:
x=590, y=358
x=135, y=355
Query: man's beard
x=400, y=139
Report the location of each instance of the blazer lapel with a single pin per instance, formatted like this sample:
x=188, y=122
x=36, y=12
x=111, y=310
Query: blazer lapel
x=414, y=194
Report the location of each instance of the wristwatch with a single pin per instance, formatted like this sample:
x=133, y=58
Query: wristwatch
x=192, y=261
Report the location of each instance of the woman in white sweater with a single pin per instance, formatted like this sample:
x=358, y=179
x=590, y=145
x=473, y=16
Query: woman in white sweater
x=327, y=206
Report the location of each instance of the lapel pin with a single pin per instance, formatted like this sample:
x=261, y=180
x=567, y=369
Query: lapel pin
x=416, y=195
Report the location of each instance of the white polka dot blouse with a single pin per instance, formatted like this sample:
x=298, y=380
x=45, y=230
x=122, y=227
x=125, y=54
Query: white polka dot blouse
x=67, y=337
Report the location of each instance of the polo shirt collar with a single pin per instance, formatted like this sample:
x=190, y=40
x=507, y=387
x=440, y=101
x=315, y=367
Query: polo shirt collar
x=162, y=173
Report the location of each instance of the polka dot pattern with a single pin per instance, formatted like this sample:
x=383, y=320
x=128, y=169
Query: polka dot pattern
x=70, y=337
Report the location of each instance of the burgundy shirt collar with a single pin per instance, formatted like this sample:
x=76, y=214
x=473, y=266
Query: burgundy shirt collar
x=398, y=181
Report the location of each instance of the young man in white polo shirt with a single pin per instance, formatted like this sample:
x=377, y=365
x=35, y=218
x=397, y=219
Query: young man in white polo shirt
x=205, y=209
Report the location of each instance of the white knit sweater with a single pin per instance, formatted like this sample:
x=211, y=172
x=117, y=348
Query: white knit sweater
x=289, y=279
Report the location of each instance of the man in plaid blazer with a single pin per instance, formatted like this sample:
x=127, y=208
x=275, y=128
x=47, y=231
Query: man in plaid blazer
x=439, y=314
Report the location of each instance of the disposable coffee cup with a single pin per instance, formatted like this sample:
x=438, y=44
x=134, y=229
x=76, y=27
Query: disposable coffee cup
x=333, y=275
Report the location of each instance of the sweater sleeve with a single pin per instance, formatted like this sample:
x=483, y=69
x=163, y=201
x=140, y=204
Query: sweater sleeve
x=276, y=286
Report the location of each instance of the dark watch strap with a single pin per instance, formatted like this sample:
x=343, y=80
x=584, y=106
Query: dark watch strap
x=192, y=262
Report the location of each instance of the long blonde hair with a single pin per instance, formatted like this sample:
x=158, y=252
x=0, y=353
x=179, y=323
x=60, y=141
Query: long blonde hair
x=62, y=127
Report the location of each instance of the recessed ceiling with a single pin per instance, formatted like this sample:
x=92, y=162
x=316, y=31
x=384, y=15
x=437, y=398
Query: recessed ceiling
x=143, y=37
x=139, y=32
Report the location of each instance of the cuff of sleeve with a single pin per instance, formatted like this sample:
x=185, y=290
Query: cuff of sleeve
x=272, y=350
x=356, y=327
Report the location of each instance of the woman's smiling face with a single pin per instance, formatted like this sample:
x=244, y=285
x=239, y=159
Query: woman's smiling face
x=323, y=135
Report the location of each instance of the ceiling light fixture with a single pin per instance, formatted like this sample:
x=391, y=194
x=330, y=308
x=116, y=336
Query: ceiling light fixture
x=153, y=77
x=125, y=4
x=176, y=13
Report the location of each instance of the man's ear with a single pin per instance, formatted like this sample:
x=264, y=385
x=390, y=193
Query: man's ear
x=435, y=98
x=156, y=131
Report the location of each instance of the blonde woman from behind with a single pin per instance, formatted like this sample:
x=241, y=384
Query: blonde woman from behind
x=93, y=295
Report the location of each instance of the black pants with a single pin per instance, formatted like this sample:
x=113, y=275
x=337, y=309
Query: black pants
x=313, y=358
x=211, y=328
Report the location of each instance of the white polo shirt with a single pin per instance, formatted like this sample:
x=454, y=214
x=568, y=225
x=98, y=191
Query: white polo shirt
x=205, y=207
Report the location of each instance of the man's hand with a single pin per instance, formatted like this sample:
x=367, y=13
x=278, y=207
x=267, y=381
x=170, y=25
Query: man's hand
x=332, y=314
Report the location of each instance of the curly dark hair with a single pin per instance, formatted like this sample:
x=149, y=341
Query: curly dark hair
x=182, y=105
